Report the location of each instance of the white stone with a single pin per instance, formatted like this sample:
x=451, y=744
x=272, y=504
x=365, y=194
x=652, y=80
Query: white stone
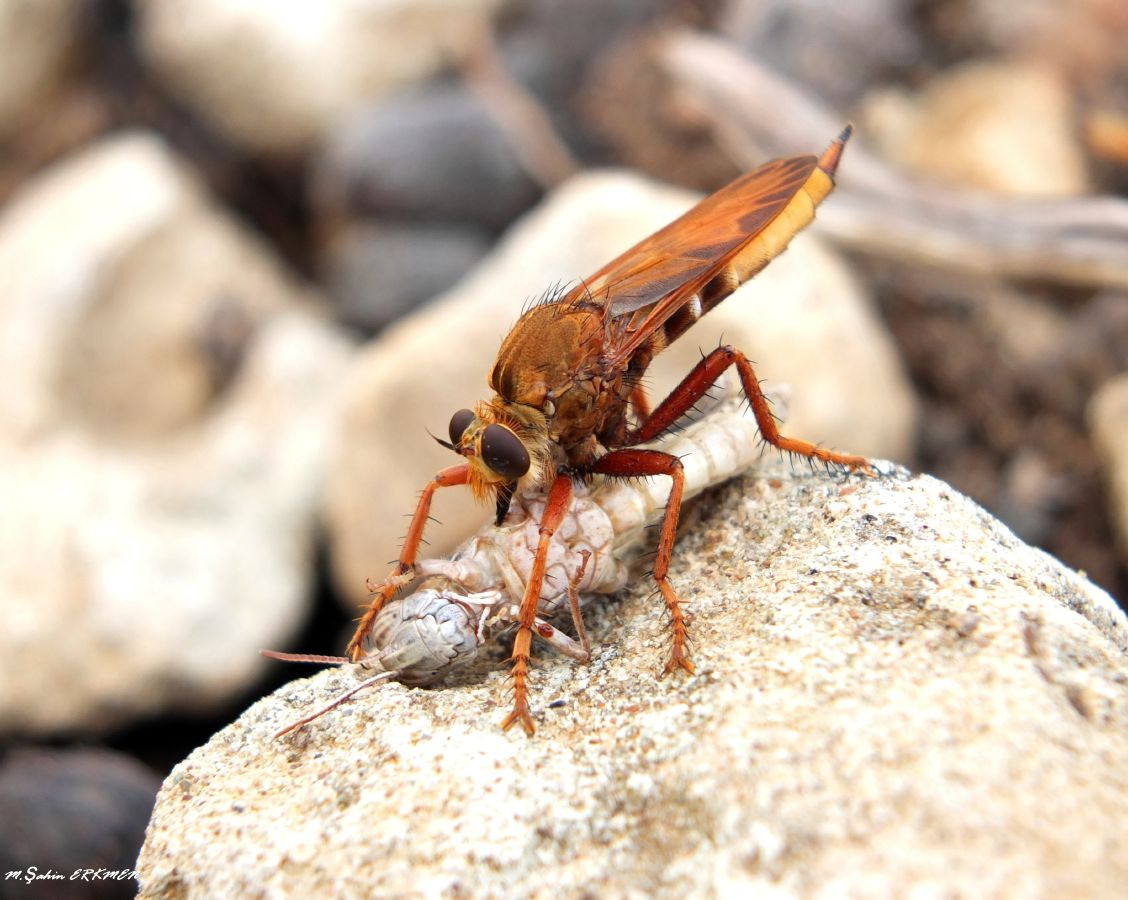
x=169, y=393
x=273, y=75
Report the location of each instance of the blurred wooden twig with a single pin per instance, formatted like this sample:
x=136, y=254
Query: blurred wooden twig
x=878, y=210
x=543, y=153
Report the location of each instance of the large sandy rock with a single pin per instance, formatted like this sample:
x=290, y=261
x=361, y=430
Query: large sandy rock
x=894, y=696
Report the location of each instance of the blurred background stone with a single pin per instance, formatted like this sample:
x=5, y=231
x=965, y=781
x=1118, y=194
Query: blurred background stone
x=169, y=396
x=69, y=810
x=1082, y=40
x=37, y=40
x=273, y=77
x=551, y=47
x=433, y=155
x=375, y=273
x=804, y=320
x=838, y=50
x=998, y=126
x=631, y=103
x=1108, y=419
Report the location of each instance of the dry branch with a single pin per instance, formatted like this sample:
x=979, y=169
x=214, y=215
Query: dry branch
x=878, y=210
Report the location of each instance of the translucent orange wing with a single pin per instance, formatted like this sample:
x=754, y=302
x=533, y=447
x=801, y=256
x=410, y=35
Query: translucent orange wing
x=700, y=258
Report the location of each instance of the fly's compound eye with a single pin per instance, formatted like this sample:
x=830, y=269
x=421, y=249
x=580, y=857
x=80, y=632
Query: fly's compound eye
x=503, y=452
x=459, y=422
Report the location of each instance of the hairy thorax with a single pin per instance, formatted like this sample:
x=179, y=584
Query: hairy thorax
x=554, y=362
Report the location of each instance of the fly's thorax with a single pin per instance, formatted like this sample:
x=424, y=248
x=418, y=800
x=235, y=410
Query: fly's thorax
x=548, y=347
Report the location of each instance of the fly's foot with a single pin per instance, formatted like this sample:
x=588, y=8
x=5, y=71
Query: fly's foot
x=520, y=714
x=679, y=659
x=520, y=711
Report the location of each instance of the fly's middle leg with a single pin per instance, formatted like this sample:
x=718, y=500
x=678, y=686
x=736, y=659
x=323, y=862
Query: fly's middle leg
x=633, y=463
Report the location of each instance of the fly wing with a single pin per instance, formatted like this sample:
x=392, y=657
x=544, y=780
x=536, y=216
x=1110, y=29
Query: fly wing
x=680, y=272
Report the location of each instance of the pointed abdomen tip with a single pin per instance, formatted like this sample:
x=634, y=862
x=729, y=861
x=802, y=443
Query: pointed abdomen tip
x=828, y=162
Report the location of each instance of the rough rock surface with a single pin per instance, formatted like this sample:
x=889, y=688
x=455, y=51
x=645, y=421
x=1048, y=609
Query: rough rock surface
x=894, y=696
x=168, y=397
x=275, y=76
x=803, y=320
x=1108, y=421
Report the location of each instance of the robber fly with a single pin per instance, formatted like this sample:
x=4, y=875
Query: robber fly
x=569, y=401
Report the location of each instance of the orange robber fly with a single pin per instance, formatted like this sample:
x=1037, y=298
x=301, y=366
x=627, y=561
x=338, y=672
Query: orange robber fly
x=568, y=381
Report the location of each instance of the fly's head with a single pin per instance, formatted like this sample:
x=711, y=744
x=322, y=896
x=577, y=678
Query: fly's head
x=505, y=445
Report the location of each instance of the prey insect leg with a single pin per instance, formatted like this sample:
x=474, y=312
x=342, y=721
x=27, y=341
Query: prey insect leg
x=631, y=463
x=697, y=382
x=580, y=649
x=403, y=571
x=559, y=496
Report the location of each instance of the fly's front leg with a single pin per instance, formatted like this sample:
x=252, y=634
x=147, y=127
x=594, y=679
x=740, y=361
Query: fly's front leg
x=404, y=570
x=631, y=463
x=559, y=497
x=697, y=382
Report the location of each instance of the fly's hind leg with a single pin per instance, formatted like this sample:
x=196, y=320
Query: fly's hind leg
x=697, y=382
x=634, y=463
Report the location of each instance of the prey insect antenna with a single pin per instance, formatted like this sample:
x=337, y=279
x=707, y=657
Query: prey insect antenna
x=337, y=701
x=304, y=657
